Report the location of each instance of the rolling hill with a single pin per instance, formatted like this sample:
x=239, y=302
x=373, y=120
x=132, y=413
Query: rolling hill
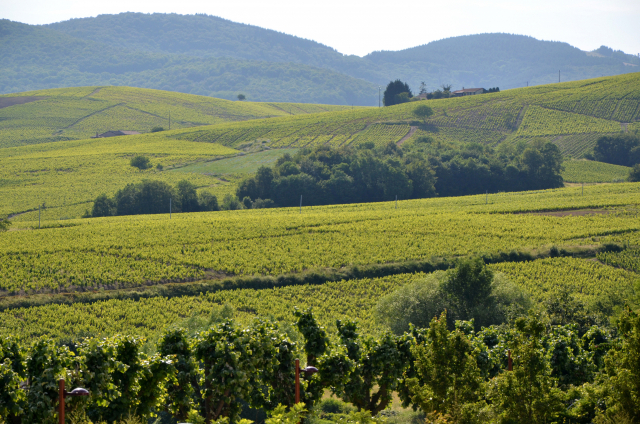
x=206, y=55
x=76, y=113
x=67, y=175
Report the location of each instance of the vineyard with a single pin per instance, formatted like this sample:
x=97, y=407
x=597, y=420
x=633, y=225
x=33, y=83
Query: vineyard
x=582, y=171
x=132, y=251
x=78, y=113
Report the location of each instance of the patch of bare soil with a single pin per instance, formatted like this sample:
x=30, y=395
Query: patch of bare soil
x=408, y=136
x=577, y=212
x=12, y=101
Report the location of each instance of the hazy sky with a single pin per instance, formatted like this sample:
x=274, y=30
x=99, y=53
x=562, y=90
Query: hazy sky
x=359, y=27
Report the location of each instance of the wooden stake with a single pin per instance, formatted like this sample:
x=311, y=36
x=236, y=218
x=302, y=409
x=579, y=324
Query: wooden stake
x=297, y=380
x=61, y=401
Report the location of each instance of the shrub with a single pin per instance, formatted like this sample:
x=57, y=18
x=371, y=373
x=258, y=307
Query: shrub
x=140, y=162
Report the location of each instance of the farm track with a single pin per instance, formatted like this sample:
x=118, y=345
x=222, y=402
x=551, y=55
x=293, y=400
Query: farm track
x=408, y=136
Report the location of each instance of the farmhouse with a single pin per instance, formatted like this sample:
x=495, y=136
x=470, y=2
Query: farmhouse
x=114, y=134
x=468, y=92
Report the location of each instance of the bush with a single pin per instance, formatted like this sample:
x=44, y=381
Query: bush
x=140, y=162
x=467, y=292
x=157, y=129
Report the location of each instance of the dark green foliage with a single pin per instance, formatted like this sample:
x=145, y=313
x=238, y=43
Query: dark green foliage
x=423, y=112
x=141, y=162
x=157, y=129
x=103, y=206
x=151, y=197
x=326, y=175
x=230, y=203
x=208, y=202
x=146, y=197
x=622, y=149
x=634, y=174
x=187, y=197
x=175, y=344
x=378, y=366
x=396, y=92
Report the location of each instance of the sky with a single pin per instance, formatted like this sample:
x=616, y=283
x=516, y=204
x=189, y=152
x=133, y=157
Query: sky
x=360, y=27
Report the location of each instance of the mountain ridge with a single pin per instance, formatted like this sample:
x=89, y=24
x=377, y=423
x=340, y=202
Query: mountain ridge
x=208, y=55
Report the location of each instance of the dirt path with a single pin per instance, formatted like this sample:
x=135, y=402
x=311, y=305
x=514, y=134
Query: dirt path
x=94, y=92
x=408, y=136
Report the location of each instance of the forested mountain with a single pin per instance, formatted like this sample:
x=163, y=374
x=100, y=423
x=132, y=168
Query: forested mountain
x=202, y=54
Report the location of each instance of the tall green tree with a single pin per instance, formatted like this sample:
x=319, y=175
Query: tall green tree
x=528, y=394
x=447, y=382
x=393, y=92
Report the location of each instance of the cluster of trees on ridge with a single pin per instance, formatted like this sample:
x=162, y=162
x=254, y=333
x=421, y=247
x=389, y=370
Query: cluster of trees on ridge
x=325, y=175
x=203, y=370
x=398, y=92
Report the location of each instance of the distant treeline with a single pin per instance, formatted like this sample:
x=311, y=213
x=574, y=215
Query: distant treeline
x=325, y=175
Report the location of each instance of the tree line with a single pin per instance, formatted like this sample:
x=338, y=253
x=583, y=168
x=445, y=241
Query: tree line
x=326, y=175
x=152, y=197
x=453, y=372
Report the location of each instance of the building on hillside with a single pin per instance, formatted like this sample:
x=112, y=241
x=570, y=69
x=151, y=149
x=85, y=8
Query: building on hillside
x=422, y=96
x=468, y=92
x=114, y=134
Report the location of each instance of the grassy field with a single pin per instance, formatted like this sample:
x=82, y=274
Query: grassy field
x=78, y=113
x=584, y=171
x=244, y=164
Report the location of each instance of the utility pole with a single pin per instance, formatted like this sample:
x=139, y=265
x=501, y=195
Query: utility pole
x=379, y=96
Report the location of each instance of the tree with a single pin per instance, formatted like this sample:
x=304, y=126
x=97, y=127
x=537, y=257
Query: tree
x=423, y=88
x=423, y=111
x=140, y=162
x=241, y=97
x=207, y=202
x=146, y=197
x=528, y=394
x=634, y=174
x=230, y=203
x=378, y=366
x=622, y=366
x=393, y=90
x=187, y=197
x=447, y=381
x=103, y=206
x=617, y=149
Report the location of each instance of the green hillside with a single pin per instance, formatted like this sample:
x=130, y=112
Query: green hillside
x=572, y=115
x=77, y=113
x=206, y=55
x=585, y=171
x=68, y=175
